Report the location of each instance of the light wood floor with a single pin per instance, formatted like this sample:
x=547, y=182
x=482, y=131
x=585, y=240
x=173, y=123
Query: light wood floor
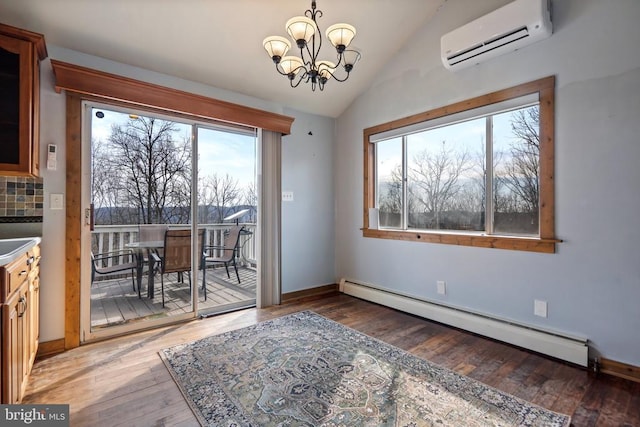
x=123, y=382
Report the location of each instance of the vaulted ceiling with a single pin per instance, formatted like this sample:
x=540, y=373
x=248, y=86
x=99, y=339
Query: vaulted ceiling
x=219, y=42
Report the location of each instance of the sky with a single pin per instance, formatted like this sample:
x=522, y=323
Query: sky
x=468, y=135
x=218, y=151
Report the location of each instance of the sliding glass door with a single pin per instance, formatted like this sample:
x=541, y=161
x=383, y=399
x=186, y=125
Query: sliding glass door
x=165, y=196
x=227, y=210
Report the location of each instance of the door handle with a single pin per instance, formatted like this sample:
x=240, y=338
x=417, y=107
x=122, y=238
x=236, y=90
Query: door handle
x=23, y=302
x=88, y=213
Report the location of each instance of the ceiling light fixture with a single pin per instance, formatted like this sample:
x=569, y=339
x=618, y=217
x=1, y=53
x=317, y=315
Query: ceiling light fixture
x=306, y=34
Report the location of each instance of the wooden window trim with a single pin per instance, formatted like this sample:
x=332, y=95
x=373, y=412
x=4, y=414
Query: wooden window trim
x=546, y=243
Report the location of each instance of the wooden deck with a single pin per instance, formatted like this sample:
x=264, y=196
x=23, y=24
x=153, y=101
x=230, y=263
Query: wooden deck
x=114, y=302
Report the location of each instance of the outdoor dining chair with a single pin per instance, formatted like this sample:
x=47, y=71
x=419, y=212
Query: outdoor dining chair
x=114, y=262
x=177, y=255
x=225, y=254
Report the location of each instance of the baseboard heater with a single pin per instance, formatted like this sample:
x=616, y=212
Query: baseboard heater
x=571, y=349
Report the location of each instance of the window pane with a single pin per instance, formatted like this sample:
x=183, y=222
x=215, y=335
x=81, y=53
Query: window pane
x=141, y=169
x=516, y=152
x=141, y=175
x=446, y=168
x=226, y=176
x=389, y=182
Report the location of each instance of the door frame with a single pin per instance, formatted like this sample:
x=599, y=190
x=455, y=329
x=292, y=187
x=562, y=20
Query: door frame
x=86, y=84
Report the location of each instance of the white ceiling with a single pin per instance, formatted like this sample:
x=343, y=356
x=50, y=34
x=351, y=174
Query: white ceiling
x=219, y=42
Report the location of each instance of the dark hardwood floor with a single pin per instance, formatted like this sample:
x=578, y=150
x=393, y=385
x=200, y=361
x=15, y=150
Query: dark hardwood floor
x=123, y=382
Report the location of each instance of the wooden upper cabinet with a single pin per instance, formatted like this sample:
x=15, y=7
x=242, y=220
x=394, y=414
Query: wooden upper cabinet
x=20, y=54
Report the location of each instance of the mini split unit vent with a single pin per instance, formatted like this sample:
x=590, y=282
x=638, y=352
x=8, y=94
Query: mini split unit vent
x=509, y=28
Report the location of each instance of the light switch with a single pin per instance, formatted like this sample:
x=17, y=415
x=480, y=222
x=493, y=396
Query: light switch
x=57, y=201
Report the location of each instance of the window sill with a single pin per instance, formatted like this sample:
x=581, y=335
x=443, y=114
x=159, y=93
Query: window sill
x=530, y=244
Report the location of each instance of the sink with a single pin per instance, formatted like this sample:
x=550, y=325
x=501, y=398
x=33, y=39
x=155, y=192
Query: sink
x=12, y=249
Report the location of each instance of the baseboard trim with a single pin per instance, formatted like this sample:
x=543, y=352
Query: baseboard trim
x=311, y=292
x=49, y=348
x=619, y=369
x=572, y=349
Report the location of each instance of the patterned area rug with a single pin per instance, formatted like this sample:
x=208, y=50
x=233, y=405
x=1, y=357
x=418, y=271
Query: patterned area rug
x=306, y=370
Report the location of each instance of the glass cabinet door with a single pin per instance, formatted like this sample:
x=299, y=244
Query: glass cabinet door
x=16, y=86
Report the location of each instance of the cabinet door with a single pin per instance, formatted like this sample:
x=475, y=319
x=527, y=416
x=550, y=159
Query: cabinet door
x=33, y=312
x=16, y=104
x=13, y=348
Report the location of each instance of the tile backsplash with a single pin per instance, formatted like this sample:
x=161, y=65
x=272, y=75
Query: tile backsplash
x=21, y=197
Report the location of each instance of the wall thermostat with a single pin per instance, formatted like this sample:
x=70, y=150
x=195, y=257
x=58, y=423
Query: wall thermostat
x=52, y=156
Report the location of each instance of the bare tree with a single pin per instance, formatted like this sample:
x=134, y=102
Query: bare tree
x=250, y=199
x=390, y=199
x=435, y=180
x=471, y=200
x=217, y=195
x=105, y=186
x=521, y=174
x=153, y=168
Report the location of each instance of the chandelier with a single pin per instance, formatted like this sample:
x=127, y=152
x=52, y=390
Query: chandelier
x=307, y=68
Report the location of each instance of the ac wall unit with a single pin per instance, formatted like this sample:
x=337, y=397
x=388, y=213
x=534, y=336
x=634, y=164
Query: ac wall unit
x=509, y=28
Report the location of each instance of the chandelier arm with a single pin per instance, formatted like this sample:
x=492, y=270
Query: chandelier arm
x=300, y=71
x=283, y=73
x=280, y=71
x=317, y=51
x=341, y=60
x=312, y=56
x=333, y=76
x=297, y=83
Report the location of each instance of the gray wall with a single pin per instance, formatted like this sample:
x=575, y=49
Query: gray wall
x=592, y=283
x=307, y=221
x=306, y=169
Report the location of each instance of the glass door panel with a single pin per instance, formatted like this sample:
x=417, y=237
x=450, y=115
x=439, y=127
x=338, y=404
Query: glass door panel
x=227, y=207
x=141, y=174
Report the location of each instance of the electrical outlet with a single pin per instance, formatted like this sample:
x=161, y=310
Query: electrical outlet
x=441, y=286
x=540, y=308
x=287, y=196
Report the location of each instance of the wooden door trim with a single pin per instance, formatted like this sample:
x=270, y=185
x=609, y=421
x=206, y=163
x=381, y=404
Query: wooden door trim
x=73, y=222
x=87, y=81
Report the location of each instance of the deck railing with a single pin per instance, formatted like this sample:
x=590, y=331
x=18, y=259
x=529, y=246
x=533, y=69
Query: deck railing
x=108, y=238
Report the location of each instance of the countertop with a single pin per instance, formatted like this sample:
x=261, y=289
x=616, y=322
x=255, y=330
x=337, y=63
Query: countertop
x=12, y=249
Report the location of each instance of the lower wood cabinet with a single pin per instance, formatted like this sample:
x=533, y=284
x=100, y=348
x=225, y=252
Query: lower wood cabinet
x=19, y=326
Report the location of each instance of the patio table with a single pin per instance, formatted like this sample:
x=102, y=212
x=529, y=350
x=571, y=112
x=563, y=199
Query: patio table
x=141, y=247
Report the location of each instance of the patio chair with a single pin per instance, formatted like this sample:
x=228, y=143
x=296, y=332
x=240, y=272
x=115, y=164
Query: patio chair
x=225, y=254
x=122, y=260
x=151, y=232
x=177, y=255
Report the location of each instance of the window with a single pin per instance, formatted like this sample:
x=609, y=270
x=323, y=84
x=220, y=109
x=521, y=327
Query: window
x=476, y=173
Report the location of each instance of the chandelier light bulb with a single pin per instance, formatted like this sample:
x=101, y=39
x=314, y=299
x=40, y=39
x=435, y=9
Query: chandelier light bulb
x=340, y=35
x=291, y=65
x=325, y=69
x=301, y=29
x=276, y=47
x=350, y=59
